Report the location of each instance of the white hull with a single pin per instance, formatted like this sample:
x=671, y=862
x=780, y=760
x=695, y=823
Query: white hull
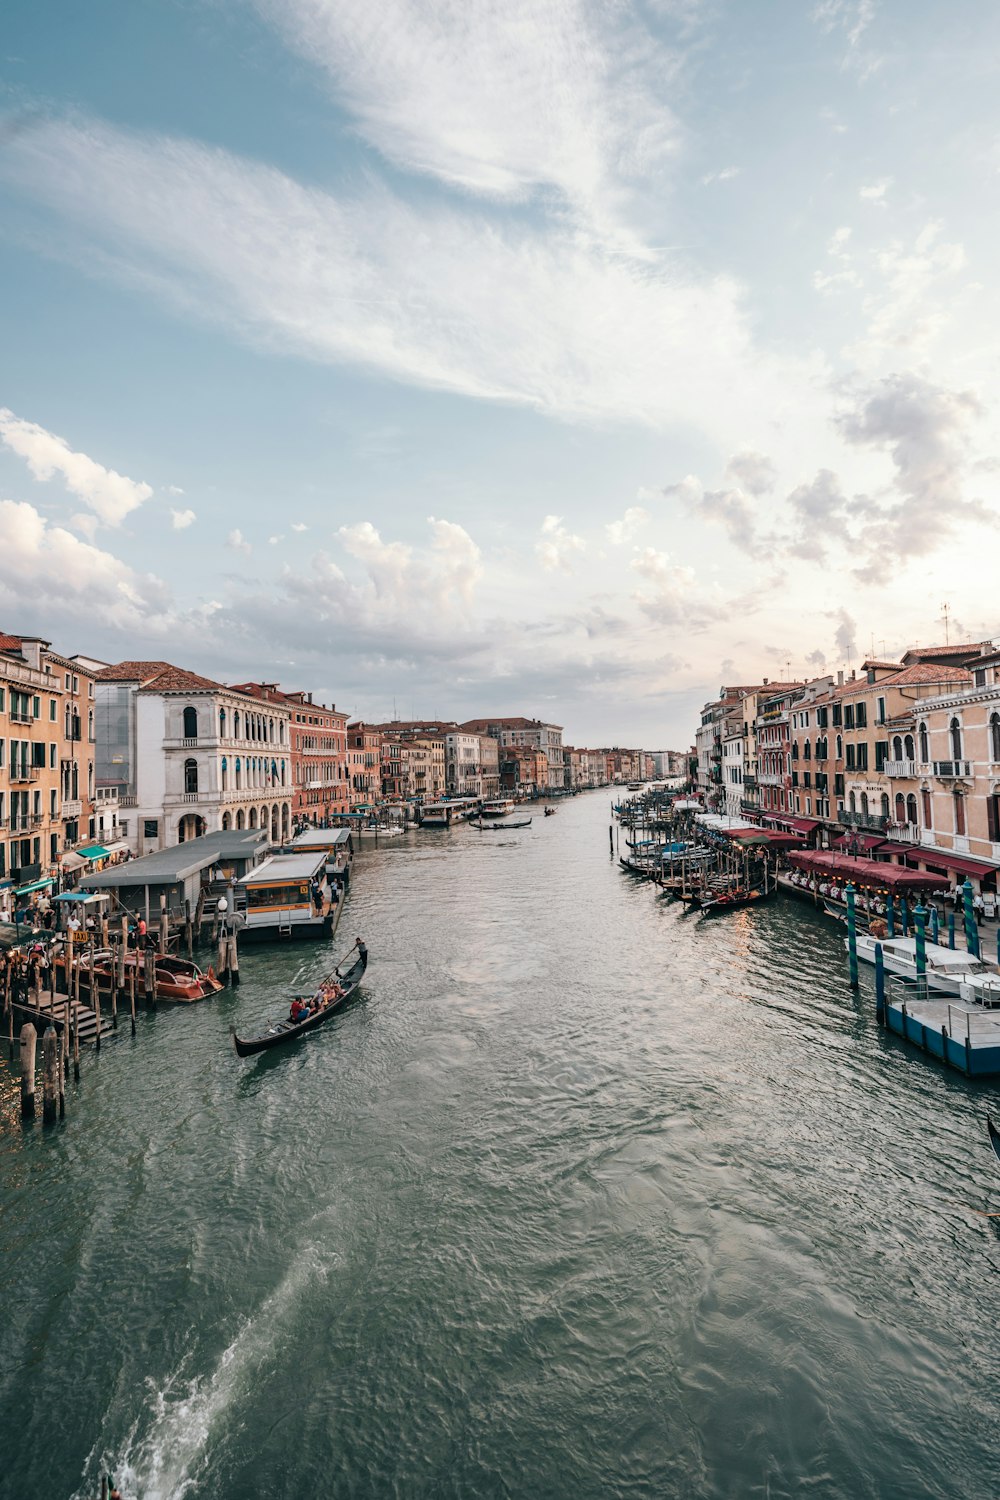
x=947, y=969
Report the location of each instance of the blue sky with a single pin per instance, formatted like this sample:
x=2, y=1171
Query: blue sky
x=564, y=358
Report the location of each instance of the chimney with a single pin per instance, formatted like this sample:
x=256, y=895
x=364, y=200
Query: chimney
x=309, y=696
x=840, y=679
x=766, y=680
x=854, y=675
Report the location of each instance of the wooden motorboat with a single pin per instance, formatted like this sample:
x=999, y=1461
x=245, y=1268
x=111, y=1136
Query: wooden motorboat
x=288, y=1030
x=175, y=978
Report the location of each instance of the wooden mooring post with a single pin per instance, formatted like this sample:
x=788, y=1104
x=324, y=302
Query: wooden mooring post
x=188, y=930
x=28, y=1039
x=131, y=994
x=50, y=1075
x=149, y=978
x=95, y=997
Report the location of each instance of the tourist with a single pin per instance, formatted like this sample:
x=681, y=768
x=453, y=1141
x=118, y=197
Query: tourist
x=140, y=933
x=977, y=907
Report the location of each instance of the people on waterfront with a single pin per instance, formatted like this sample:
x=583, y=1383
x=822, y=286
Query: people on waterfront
x=978, y=906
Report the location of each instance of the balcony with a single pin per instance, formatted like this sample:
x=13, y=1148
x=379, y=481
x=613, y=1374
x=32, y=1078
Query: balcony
x=21, y=716
x=189, y=742
x=768, y=778
x=24, y=773
x=952, y=770
x=900, y=768
x=904, y=833
x=71, y=808
x=874, y=822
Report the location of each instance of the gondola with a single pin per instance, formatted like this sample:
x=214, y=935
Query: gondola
x=994, y=1135
x=728, y=901
x=287, y=1031
x=500, y=827
x=550, y=812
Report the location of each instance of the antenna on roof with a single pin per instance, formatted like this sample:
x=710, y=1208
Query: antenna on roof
x=944, y=610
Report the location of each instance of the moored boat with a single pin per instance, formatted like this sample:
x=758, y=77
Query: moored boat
x=948, y=971
x=328, y=1002
x=175, y=978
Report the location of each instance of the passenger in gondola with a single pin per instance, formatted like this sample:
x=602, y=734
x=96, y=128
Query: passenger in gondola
x=299, y=1010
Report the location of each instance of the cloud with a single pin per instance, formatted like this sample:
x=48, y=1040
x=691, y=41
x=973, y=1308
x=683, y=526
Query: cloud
x=558, y=546
x=845, y=635
x=299, y=526
x=75, y=579
x=674, y=599
x=913, y=303
x=728, y=508
x=181, y=519
x=238, y=542
x=173, y=489
x=409, y=290
x=924, y=429
x=725, y=175
x=620, y=532
x=755, y=472
x=110, y=496
x=851, y=18
x=505, y=102
x=273, y=541
x=874, y=192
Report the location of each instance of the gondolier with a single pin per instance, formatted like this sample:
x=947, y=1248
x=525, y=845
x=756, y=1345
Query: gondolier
x=329, y=996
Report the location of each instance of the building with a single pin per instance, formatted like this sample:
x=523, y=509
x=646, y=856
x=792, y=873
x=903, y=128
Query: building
x=190, y=756
x=532, y=734
x=321, y=782
x=364, y=761
x=524, y=771
x=425, y=765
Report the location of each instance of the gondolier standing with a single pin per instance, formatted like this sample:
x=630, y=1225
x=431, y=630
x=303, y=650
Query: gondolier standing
x=362, y=949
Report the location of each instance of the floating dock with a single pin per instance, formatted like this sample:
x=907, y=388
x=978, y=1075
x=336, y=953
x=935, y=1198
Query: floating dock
x=966, y=1037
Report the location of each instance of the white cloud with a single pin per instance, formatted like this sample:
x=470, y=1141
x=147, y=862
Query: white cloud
x=914, y=302
x=620, y=532
x=874, y=192
x=504, y=101
x=174, y=489
x=110, y=496
x=75, y=578
x=299, y=526
x=238, y=542
x=557, y=548
x=725, y=175
x=580, y=332
x=273, y=541
x=180, y=519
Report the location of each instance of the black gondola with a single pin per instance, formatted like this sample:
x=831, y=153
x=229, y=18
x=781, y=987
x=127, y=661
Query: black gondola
x=287, y=1030
x=499, y=827
x=994, y=1136
x=728, y=901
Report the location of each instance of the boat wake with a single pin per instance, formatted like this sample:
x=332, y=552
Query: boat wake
x=169, y=1445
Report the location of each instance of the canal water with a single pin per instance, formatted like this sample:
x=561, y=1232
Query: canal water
x=583, y=1197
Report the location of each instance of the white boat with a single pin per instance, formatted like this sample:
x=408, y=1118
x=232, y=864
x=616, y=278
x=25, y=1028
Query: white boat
x=948, y=969
x=500, y=807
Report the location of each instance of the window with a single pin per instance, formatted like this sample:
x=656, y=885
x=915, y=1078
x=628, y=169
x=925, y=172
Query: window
x=908, y=746
x=995, y=738
x=911, y=808
x=840, y=747
x=979, y=676
x=993, y=818
x=881, y=710
x=150, y=828
x=851, y=758
x=900, y=808
x=52, y=757
x=924, y=738
x=837, y=715
x=897, y=747
x=190, y=776
x=807, y=751
x=959, y=806
x=853, y=803
x=955, y=736
x=881, y=753
x=190, y=723
x=848, y=715
x=822, y=718
x=927, y=808
x=861, y=715
x=52, y=710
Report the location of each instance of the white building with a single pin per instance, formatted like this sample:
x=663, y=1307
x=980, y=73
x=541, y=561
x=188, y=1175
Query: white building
x=188, y=756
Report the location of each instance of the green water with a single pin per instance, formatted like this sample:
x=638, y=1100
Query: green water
x=583, y=1197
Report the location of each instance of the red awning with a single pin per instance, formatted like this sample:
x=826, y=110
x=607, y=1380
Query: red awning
x=943, y=859
x=782, y=840
x=802, y=825
x=865, y=841
x=890, y=848
x=868, y=872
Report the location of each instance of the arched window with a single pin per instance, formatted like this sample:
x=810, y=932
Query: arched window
x=864, y=804
x=236, y=723
x=840, y=747
x=853, y=803
x=190, y=723
x=239, y=817
x=239, y=781
x=226, y=822
x=955, y=732
x=900, y=808
x=911, y=808
x=959, y=802
x=925, y=745
x=225, y=774
x=90, y=726
x=253, y=817
x=190, y=775
x=222, y=723
x=282, y=773
x=885, y=805
x=908, y=746
x=270, y=730
x=928, y=807
x=995, y=738
x=897, y=748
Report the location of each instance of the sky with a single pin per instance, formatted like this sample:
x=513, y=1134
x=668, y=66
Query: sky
x=448, y=357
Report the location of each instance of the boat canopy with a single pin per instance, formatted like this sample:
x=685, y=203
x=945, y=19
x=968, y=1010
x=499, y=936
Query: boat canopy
x=867, y=872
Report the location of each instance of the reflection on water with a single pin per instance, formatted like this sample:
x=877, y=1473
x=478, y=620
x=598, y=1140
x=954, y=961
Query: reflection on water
x=583, y=1196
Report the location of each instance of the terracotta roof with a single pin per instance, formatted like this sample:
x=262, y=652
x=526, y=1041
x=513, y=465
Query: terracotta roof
x=926, y=671
x=10, y=642
x=885, y=666
x=481, y=726
x=969, y=648
x=163, y=677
